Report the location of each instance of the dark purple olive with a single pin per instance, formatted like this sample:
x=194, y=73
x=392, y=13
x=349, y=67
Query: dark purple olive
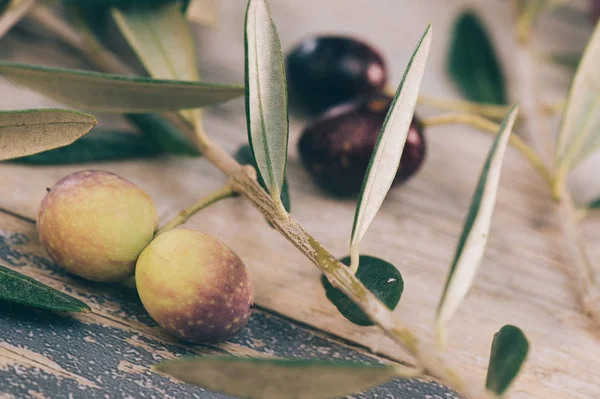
x=327, y=70
x=337, y=147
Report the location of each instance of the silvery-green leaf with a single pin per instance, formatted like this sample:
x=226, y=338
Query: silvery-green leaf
x=509, y=351
x=102, y=92
x=266, y=96
x=476, y=229
x=390, y=143
x=278, y=378
x=162, y=40
x=18, y=288
x=580, y=127
x=36, y=130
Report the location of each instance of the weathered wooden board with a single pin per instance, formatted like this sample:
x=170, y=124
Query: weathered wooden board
x=524, y=281
x=109, y=352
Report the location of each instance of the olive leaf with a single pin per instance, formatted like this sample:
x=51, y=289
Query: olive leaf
x=163, y=133
x=102, y=92
x=97, y=146
x=266, y=97
x=472, y=62
x=380, y=277
x=390, y=144
x=278, y=378
x=579, y=134
x=245, y=157
x=18, y=288
x=203, y=12
x=162, y=40
x=595, y=204
x=509, y=351
x=475, y=232
x=36, y=130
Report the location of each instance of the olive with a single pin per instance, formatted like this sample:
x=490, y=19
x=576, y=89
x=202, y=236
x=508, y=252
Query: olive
x=337, y=147
x=323, y=71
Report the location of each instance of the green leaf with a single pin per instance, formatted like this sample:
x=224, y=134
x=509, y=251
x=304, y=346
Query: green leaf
x=162, y=40
x=18, y=288
x=163, y=133
x=97, y=146
x=278, y=378
x=380, y=277
x=390, y=144
x=579, y=134
x=595, y=204
x=266, y=97
x=509, y=351
x=472, y=62
x=476, y=229
x=117, y=94
x=245, y=157
x=36, y=130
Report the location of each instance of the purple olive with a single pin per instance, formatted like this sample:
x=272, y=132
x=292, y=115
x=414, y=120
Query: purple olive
x=324, y=71
x=337, y=147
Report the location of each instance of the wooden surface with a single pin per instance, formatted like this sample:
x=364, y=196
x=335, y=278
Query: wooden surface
x=525, y=278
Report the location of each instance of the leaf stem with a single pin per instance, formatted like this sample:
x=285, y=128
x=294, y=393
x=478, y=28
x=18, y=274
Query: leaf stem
x=184, y=215
x=492, y=111
x=493, y=127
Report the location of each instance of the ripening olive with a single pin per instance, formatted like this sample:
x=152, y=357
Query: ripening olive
x=95, y=224
x=327, y=70
x=194, y=286
x=337, y=147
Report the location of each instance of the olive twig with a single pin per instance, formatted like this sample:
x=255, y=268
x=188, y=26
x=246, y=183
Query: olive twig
x=492, y=127
x=184, y=215
x=492, y=111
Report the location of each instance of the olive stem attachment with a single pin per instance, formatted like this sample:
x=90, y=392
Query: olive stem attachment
x=185, y=214
x=493, y=127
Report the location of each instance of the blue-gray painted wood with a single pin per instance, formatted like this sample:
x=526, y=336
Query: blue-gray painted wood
x=108, y=354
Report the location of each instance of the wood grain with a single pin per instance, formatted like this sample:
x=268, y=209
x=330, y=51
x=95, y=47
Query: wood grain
x=525, y=278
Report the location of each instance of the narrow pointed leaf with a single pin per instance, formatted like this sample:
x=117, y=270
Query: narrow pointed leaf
x=580, y=126
x=117, y=94
x=32, y=131
x=509, y=351
x=162, y=132
x=162, y=40
x=390, y=143
x=477, y=226
x=472, y=62
x=595, y=204
x=266, y=96
x=97, y=146
x=278, y=378
x=18, y=288
x=11, y=12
